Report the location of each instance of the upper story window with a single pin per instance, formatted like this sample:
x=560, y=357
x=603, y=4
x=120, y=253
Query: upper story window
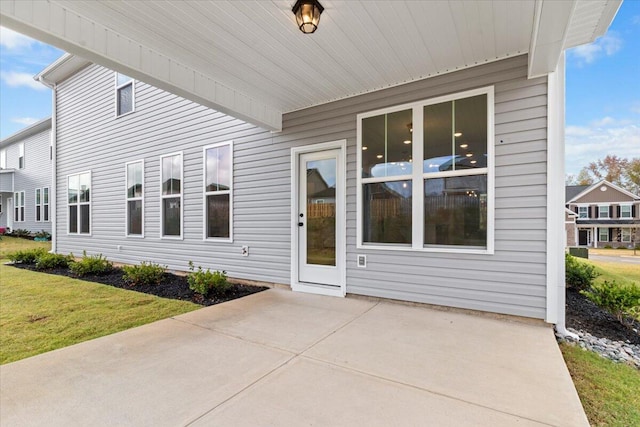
x=583, y=212
x=21, y=156
x=625, y=211
x=603, y=211
x=3, y=159
x=135, y=198
x=171, y=195
x=79, y=203
x=426, y=174
x=218, y=165
x=125, y=94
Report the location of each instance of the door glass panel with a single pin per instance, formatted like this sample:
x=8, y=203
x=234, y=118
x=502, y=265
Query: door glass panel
x=321, y=212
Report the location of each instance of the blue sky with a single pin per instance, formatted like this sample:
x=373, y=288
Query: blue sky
x=602, y=87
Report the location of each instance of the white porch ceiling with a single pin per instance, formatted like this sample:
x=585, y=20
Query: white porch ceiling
x=248, y=59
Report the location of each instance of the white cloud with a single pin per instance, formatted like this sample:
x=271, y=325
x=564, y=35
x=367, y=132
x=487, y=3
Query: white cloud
x=25, y=120
x=584, y=145
x=610, y=121
x=16, y=79
x=606, y=45
x=11, y=40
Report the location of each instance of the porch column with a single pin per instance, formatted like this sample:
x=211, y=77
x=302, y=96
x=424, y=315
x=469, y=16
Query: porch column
x=595, y=237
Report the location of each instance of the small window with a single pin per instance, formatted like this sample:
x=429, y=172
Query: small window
x=218, y=165
x=79, y=203
x=171, y=195
x=135, y=201
x=625, y=211
x=125, y=96
x=3, y=159
x=38, y=205
x=45, y=204
x=18, y=209
x=603, y=212
x=603, y=234
x=21, y=156
x=583, y=212
x=625, y=235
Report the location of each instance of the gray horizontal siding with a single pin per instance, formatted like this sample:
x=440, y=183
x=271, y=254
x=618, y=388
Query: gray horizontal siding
x=36, y=174
x=91, y=138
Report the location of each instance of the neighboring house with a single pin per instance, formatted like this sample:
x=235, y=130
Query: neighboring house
x=208, y=161
x=25, y=179
x=602, y=214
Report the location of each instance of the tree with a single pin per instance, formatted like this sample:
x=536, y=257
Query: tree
x=622, y=172
x=584, y=178
x=633, y=176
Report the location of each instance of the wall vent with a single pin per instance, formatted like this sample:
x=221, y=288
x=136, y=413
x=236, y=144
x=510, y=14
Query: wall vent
x=362, y=261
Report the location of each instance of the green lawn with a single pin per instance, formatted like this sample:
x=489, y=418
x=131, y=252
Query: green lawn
x=41, y=312
x=610, y=392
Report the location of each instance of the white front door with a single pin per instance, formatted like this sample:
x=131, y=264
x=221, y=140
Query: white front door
x=319, y=236
x=9, y=213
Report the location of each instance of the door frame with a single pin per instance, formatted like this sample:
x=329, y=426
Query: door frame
x=341, y=218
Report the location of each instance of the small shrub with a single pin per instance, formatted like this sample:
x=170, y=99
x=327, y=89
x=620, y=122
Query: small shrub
x=578, y=275
x=94, y=264
x=608, y=247
x=203, y=282
x=144, y=274
x=42, y=236
x=21, y=232
x=26, y=256
x=49, y=261
x=621, y=300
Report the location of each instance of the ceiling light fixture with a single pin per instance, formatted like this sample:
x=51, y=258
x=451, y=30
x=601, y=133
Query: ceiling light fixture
x=407, y=141
x=469, y=154
x=364, y=148
x=464, y=145
x=379, y=156
x=473, y=162
x=457, y=134
x=307, y=14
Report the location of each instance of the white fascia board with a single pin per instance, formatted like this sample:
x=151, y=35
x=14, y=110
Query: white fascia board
x=550, y=26
x=55, y=25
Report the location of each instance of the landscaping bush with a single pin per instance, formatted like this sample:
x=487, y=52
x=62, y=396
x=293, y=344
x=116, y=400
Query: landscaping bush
x=578, y=275
x=144, y=274
x=20, y=232
x=608, y=247
x=620, y=299
x=42, y=236
x=203, y=282
x=26, y=256
x=49, y=261
x=94, y=264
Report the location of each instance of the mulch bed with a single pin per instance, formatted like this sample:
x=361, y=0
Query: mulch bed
x=172, y=286
x=584, y=314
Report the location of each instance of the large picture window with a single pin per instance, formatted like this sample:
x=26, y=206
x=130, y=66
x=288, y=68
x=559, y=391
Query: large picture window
x=18, y=206
x=426, y=175
x=135, y=198
x=79, y=203
x=218, y=175
x=125, y=94
x=171, y=195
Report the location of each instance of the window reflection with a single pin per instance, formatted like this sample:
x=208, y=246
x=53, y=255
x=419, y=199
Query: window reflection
x=387, y=212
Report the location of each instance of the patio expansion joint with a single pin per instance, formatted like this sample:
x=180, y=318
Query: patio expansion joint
x=415, y=387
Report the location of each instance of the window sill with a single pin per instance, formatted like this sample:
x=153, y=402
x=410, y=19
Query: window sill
x=171, y=238
x=445, y=250
x=125, y=114
x=134, y=236
x=217, y=239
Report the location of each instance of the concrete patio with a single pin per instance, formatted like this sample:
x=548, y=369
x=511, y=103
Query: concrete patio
x=280, y=358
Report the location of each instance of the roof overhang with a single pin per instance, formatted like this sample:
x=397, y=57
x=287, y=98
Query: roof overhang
x=248, y=59
x=599, y=184
x=33, y=129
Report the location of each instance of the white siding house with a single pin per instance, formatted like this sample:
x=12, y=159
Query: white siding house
x=412, y=152
x=25, y=179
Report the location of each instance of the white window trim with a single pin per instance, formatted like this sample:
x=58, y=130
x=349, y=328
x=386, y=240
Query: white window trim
x=78, y=203
x=599, y=234
x=16, y=218
x=1, y=205
x=418, y=176
x=3, y=159
x=625, y=205
x=38, y=205
x=131, y=199
x=173, y=196
x=206, y=193
x=600, y=214
x=21, y=156
x=622, y=235
x=47, y=204
x=131, y=82
x=587, y=212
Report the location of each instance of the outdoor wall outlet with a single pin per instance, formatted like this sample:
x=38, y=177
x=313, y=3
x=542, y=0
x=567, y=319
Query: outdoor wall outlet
x=362, y=261
x=245, y=251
